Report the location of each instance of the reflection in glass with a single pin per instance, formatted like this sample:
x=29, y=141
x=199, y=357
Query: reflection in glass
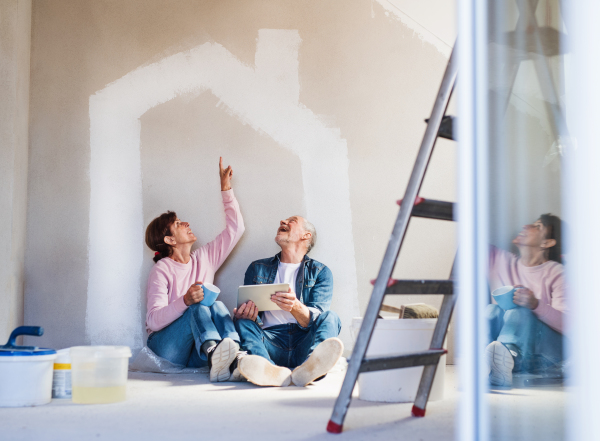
x=527, y=290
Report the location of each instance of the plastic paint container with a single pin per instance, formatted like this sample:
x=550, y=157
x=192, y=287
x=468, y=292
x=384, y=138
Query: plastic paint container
x=61, y=379
x=395, y=337
x=25, y=371
x=99, y=373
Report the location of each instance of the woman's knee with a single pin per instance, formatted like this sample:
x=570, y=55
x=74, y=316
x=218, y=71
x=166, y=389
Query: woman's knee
x=493, y=311
x=519, y=315
x=219, y=306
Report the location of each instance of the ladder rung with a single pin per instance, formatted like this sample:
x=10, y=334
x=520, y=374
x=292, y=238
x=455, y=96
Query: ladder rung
x=432, y=209
x=431, y=356
x=446, y=127
x=420, y=287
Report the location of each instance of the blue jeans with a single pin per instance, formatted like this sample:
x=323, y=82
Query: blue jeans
x=539, y=345
x=287, y=345
x=180, y=342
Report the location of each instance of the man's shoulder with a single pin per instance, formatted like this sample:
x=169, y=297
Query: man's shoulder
x=317, y=266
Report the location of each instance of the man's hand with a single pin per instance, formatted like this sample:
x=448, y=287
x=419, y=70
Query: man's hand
x=285, y=300
x=246, y=310
x=524, y=297
x=226, y=174
x=194, y=295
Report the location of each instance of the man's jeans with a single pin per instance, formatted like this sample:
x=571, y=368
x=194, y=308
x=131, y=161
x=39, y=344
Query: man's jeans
x=180, y=342
x=287, y=345
x=540, y=346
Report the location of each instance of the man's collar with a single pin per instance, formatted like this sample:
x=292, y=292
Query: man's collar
x=277, y=258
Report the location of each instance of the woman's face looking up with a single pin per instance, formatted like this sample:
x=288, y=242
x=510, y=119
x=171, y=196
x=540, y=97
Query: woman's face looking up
x=181, y=233
x=533, y=235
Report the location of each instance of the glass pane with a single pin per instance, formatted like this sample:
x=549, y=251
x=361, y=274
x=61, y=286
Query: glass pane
x=527, y=289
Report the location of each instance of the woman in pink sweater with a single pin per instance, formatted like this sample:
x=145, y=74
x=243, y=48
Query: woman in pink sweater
x=180, y=329
x=528, y=338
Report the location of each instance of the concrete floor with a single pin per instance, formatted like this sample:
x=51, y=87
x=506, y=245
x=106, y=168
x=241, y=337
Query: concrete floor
x=183, y=406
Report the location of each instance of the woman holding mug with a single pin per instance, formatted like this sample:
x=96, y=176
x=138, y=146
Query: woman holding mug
x=181, y=329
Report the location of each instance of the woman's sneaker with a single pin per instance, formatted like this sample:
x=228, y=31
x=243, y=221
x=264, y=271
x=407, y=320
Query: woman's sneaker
x=501, y=364
x=220, y=358
x=260, y=371
x=323, y=358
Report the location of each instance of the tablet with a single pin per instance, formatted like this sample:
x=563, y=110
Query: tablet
x=261, y=295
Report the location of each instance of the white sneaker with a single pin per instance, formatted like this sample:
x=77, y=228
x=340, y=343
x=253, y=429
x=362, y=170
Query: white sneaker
x=220, y=357
x=501, y=364
x=323, y=358
x=236, y=375
x=258, y=370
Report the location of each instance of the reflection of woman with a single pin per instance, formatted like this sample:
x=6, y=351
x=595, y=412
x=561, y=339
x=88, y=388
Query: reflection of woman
x=529, y=337
x=181, y=329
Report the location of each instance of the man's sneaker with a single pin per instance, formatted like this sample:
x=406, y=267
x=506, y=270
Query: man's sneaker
x=258, y=370
x=323, y=358
x=501, y=364
x=219, y=359
x=236, y=375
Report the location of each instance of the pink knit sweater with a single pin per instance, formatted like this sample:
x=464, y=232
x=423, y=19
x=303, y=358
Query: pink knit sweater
x=546, y=281
x=169, y=280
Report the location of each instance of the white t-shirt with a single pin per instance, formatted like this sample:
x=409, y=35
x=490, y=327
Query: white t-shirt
x=286, y=273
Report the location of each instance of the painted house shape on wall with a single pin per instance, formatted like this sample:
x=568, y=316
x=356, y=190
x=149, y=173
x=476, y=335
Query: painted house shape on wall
x=266, y=97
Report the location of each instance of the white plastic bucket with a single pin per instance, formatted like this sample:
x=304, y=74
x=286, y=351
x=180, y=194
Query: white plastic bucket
x=26, y=380
x=99, y=373
x=395, y=337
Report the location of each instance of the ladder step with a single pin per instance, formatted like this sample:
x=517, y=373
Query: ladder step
x=420, y=287
x=432, y=209
x=431, y=356
x=446, y=127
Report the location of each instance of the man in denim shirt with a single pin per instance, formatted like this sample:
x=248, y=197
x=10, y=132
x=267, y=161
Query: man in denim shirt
x=302, y=335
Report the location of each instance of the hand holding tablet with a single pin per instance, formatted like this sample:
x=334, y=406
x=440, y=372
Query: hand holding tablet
x=261, y=296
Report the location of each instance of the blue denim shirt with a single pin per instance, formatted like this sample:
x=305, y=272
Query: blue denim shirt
x=314, y=285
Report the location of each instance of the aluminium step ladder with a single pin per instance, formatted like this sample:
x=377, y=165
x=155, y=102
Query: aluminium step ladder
x=411, y=205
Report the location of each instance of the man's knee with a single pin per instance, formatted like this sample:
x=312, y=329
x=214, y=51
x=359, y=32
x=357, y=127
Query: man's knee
x=245, y=325
x=331, y=319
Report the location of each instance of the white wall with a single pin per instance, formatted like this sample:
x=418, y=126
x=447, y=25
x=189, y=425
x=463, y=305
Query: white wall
x=149, y=96
x=15, y=44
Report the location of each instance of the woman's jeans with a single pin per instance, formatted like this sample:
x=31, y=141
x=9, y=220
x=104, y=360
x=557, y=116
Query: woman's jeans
x=180, y=342
x=539, y=345
x=287, y=345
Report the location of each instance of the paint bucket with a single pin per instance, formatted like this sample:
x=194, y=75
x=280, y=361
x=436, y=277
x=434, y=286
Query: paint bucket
x=396, y=337
x=25, y=371
x=99, y=373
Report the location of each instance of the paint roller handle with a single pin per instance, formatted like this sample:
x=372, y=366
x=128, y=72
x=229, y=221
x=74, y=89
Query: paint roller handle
x=36, y=331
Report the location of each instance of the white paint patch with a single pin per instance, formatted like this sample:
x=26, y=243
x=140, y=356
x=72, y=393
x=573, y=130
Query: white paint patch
x=433, y=24
x=264, y=97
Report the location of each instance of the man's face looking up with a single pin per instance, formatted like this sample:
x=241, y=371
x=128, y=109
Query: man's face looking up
x=291, y=231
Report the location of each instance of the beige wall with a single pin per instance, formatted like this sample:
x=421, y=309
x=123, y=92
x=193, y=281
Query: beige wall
x=136, y=100
x=15, y=43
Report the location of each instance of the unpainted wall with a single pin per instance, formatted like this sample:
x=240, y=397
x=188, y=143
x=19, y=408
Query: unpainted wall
x=334, y=138
x=15, y=43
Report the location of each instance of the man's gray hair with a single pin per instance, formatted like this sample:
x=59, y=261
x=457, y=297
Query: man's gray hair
x=313, y=235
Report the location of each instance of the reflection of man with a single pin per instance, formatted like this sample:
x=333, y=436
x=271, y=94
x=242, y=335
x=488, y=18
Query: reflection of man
x=302, y=334
x=528, y=338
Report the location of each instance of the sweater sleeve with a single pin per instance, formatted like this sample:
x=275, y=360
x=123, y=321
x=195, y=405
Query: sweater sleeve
x=553, y=314
x=160, y=313
x=218, y=250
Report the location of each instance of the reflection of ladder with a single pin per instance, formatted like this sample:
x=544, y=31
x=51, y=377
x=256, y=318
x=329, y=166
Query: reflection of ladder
x=411, y=205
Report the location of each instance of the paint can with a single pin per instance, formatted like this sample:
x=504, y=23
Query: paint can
x=61, y=378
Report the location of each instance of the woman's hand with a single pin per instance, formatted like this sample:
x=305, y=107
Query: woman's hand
x=247, y=311
x=194, y=295
x=524, y=297
x=226, y=175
